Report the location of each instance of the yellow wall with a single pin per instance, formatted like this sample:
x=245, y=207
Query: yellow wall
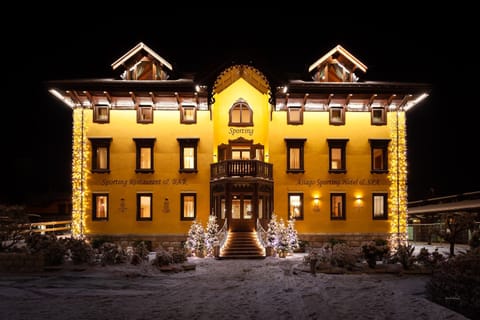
x=224, y=100
x=316, y=181
x=122, y=182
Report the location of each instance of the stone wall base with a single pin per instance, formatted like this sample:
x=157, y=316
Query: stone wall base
x=318, y=240
x=167, y=242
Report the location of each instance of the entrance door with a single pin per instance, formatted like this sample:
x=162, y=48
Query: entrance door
x=243, y=217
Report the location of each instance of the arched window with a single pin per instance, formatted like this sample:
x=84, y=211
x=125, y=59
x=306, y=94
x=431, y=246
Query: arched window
x=241, y=115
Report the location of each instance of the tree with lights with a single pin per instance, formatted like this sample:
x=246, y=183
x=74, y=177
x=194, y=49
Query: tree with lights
x=292, y=235
x=196, y=238
x=211, y=238
x=272, y=231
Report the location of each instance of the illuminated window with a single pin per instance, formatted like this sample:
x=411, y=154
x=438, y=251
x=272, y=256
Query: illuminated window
x=380, y=206
x=101, y=114
x=100, y=206
x=295, y=206
x=295, y=115
x=188, y=203
x=100, y=154
x=379, y=155
x=379, y=116
x=145, y=114
x=295, y=155
x=241, y=115
x=337, y=158
x=144, y=158
x=144, y=206
x=337, y=115
x=188, y=154
x=337, y=206
x=188, y=114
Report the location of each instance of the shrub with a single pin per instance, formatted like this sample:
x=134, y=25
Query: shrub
x=456, y=284
x=405, y=256
x=52, y=249
x=80, y=251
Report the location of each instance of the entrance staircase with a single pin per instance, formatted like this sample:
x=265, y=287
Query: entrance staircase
x=242, y=245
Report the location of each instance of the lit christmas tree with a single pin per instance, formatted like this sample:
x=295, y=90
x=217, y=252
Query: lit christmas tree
x=292, y=236
x=196, y=238
x=211, y=238
x=272, y=231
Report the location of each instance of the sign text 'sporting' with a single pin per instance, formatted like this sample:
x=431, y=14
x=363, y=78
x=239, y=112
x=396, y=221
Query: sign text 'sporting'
x=338, y=182
x=234, y=131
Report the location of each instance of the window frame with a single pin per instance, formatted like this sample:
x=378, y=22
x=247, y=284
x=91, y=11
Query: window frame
x=95, y=196
x=332, y=119
x=188, y=143
x=296, y=144
x=242, y=123
x=379, y=144
x=139, y=206
x=97, y=143
x=344, y=207
x=298, y=109
x=337, y=144
x=97, y=117
x=302, y=206
x=183, y=195
x=140, y=108
x=144, y=143
x=183, y=119
x=375, y=121
x=384, y=196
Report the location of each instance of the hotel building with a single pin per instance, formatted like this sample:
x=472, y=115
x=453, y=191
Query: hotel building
x=152, y=153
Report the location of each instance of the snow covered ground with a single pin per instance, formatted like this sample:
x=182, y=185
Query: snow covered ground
x=271, y=288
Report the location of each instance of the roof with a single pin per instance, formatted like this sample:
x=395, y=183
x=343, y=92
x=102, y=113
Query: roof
x=339, y=49
x=138, y=48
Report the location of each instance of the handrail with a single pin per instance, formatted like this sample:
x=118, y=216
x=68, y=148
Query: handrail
x=261, y=234
x=50, y=226
x=222, y=234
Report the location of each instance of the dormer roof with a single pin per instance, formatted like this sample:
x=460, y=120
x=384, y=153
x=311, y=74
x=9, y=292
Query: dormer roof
x=339, y=62
x=136, y=54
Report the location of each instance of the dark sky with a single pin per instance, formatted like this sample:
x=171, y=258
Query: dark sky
x=442, y=130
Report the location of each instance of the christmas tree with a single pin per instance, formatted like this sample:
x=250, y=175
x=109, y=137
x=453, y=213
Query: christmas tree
x=211, y=238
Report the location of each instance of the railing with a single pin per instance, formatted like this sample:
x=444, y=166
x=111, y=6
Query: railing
x=429, y=232
x=241, y=168
x=57, y=227
x=261, y=234
x=222, y=234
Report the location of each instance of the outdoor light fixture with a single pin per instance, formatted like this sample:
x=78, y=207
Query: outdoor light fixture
x=316, y=203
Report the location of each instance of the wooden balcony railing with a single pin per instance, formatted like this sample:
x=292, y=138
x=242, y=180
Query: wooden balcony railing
x=241, y=168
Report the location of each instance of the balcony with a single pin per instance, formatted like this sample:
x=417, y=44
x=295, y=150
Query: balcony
x=241, y=168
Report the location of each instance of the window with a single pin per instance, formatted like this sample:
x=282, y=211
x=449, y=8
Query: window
x=100, y=154
x=380, y=206
x=144, y=206
x=188, y=114
x=379, y=116
x=101, y=114
x=188, y=203
x=379, y=155
x=241, y=115
x=337, y=206
x=145, y=114
x=188, y=154
x=100, y=206
x=337, y=151
x=337, y=115
x=295, y=206
x=295, y=115
x=144, y=158
x=295, y=155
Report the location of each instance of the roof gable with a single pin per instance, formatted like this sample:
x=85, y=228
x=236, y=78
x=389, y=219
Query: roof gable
x=250, y=74
x=338, y=65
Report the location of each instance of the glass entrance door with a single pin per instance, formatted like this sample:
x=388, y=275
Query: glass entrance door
x=242, y=217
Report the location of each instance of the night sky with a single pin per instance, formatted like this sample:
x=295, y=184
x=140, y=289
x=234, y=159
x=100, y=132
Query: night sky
x=442, y=130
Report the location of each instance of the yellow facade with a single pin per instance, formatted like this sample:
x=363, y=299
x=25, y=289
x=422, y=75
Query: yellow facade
x=270, y=129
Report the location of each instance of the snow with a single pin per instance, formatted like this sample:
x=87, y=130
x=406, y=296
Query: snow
x=270, y=288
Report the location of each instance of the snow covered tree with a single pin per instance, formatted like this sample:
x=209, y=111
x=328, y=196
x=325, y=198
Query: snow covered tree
x=292, y=235
x=272, y=231
x=211, y=238
x=196, y=237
